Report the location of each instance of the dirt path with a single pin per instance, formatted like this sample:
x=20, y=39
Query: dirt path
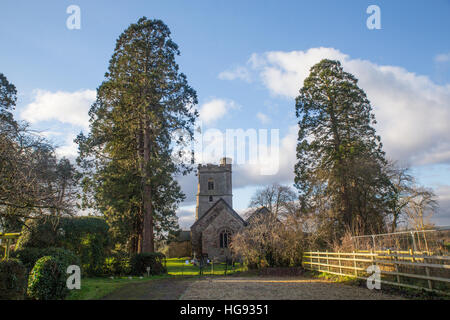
x=245, y=288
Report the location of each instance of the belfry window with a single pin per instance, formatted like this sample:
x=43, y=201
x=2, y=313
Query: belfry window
x=210, y=184
x=225, y=238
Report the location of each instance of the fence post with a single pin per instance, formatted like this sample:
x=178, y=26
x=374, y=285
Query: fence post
x=354, y=264
x=372, y=257
x=414, y=241
x=313, y=257
x=395, y=264
x=319, y=259
x=411, y=253
x=339, y=259
x=427, y=270
x=328, y=263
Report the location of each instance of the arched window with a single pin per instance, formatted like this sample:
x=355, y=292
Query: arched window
x=211, y=199
x=210, y=184
x=225, y=238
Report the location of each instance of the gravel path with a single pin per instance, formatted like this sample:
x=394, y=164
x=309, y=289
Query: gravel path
x=257, y=288
x=245, y=288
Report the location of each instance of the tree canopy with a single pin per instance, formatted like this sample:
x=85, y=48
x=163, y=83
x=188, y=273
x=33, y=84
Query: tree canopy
x=339, y=172
x=127, y=156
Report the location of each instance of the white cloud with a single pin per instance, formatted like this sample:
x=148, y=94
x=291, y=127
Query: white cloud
x=238, y=73
x=215, y=109
x=282, y=160
x=69, y=150
x=65, y=107
x=443, y=57
x=186, y=217
x=413, y=112
x=263, y=118
x=250, y=174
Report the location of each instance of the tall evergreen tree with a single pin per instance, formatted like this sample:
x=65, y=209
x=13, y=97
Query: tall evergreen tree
x=340, y=157
x=142, y=102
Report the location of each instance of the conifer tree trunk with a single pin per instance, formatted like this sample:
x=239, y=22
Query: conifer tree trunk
x=148, y=239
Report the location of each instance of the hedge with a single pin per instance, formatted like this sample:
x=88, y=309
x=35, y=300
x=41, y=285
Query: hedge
x=140, y=262
x=13, y=280
x=118, y=264
x=29, y=256
x=87, y=237
x=47, y=280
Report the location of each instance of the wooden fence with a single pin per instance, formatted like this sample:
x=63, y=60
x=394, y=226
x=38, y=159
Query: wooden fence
x=6, y=241
x=417, y=270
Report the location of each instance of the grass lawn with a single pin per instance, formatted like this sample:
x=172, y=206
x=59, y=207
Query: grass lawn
x=97, y=288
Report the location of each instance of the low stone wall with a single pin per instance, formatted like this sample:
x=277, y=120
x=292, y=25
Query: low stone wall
x=179, y=249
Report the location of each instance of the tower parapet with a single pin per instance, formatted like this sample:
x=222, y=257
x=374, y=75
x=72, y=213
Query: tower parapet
x=214, y=183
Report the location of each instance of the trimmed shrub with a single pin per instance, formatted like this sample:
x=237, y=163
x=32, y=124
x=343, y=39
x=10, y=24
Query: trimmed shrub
x=38, y=233
x=47, y=280
x=13, y=280
x=140, y=262
x=87, y=237
x=29, y=256
x=118, y=264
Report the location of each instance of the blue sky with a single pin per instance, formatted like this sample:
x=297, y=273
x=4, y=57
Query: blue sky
x=248, y=59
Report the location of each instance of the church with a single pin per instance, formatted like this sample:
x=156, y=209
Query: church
x=215, y=219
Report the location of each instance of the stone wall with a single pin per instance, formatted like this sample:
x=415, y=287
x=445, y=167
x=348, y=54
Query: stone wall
x=222, y=177
x=205, y=233
x=179, y=249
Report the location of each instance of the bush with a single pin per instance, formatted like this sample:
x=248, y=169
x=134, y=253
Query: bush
x=12, y=280
x=87, y=237
x=47, y=280
x=29, y=256
x=269, y=242
x=140, y=262
x=118, y=264
x=39, y=233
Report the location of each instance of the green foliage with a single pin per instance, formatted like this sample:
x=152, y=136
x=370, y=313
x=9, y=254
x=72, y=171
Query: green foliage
x=140, y=262
x=29, y=256
x=339, y=173
x=118, y=264
x=47, y=280
x=13, y=280
x=143, y=101
x=8, y=99
x=38, y=233
x=87, y=237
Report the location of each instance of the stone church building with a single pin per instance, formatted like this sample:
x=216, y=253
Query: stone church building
x=216, y=221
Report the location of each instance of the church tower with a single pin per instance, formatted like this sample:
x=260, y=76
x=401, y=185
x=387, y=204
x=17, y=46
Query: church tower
x=214, y=183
